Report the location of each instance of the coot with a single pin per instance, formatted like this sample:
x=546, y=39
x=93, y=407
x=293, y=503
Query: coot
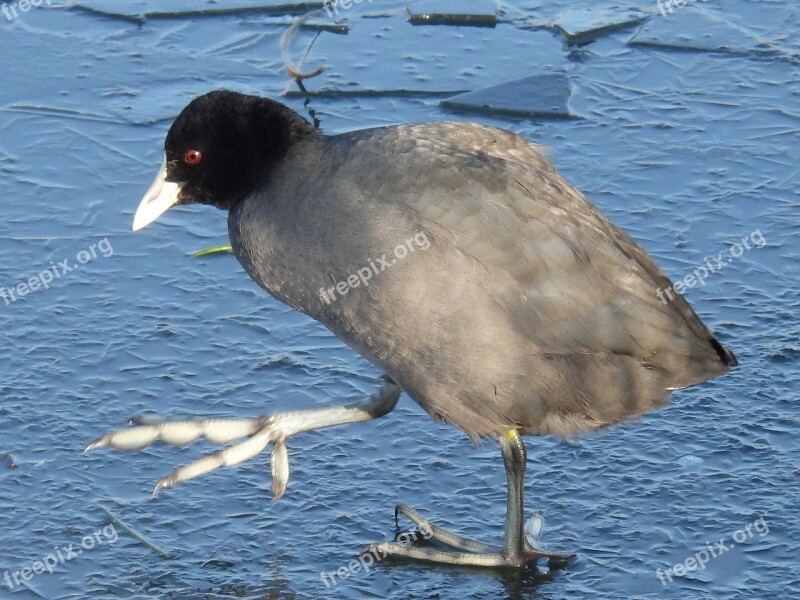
x=455, y=258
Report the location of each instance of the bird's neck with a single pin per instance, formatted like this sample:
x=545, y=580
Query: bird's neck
x=281, y=125
x=274, y=131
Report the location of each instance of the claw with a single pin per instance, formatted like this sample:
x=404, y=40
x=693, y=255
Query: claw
x=101, y=442
x=127, y=440
x=163, y=483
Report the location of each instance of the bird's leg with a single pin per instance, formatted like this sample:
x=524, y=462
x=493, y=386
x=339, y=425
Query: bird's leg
x=273, y=429
x=516, y=551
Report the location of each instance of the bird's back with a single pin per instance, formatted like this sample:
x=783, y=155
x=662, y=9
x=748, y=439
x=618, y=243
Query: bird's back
x=527, y=308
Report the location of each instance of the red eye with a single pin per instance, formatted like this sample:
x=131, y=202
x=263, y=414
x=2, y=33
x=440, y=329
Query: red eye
x=192, y=157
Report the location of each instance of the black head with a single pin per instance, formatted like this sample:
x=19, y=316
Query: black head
x=221, y=147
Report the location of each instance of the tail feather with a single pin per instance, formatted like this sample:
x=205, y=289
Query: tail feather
x=727, y=357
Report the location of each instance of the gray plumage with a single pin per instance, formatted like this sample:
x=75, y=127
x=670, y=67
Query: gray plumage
x=529, y=308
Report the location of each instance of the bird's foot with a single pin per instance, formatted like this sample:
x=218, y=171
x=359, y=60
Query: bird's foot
x=468, y=552
x=259, y=433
